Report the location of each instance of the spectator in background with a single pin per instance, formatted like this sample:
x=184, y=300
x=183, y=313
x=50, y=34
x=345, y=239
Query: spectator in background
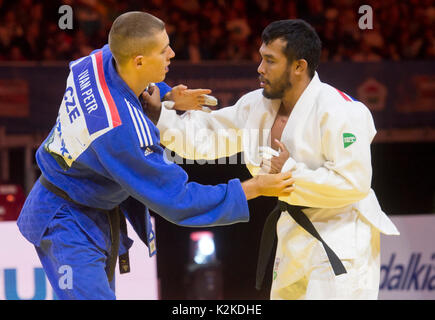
x=7, y=30
x=428, y=48
x=213, y=37
x=88, y=16
x=33, y=41
x=81, y=45
x=365, y=53
x=194, y=47
x=16, y=54
x=238, y=32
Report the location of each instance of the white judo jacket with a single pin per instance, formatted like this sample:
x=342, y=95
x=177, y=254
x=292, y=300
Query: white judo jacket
x=328, y=136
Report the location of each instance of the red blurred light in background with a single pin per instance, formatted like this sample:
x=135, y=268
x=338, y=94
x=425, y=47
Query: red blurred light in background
x=12, y=198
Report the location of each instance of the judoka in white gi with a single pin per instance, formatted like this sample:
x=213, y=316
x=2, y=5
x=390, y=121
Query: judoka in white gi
x=324, y=137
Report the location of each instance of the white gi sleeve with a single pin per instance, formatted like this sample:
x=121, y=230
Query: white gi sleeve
x=345, y=177
x=202, y=135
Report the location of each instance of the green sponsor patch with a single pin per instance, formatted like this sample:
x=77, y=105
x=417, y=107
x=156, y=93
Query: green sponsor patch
x=348, y=139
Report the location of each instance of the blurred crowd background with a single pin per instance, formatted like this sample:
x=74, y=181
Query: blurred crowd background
x=221, y=29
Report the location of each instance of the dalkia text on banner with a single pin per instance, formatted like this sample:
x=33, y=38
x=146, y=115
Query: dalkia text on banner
x=412, y=275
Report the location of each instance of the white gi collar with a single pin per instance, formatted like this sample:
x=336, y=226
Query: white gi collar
x=307, y=99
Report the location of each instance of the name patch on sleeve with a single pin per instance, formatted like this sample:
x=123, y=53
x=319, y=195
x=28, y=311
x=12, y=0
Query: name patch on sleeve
x=87, y=111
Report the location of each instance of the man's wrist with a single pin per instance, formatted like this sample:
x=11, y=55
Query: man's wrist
x=154, y=113
x=251, y=188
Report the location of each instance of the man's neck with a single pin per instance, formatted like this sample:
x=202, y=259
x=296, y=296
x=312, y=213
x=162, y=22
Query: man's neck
x=131, y=80
x=292, y=96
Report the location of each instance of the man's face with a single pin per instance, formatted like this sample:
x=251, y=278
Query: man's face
x=156, y=62
x=274, y=70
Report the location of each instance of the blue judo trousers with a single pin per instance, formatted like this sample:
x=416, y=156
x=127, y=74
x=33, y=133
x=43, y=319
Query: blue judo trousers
x=104, y=152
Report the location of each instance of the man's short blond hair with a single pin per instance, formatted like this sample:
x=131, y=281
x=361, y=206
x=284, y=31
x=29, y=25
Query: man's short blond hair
x=132, y=34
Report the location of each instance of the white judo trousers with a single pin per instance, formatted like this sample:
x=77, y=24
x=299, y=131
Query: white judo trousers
x=328, y=136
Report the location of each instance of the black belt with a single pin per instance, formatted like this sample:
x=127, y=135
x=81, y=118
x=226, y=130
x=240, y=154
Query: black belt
x=269, y=233
x=117, y=223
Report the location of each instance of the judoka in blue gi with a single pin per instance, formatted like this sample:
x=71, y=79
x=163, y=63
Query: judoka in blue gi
x=102, y=161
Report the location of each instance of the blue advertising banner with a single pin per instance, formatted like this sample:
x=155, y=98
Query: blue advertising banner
x=401, y=95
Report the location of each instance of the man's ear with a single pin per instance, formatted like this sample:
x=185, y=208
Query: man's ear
x=300, y=66
x=138, y=61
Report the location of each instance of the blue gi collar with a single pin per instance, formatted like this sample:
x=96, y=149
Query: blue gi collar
x=115, y=79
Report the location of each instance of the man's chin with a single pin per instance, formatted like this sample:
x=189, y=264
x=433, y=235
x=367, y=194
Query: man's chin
x=160, y=79
x=268, y=95
x=277, y=94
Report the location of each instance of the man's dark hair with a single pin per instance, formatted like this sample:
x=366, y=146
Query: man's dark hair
x=302, y=41
x=132, y=33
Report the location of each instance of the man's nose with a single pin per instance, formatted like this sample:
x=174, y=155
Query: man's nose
x=171, y=53
x=260, y=68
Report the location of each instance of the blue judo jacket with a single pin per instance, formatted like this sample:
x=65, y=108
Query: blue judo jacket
x=103, y=151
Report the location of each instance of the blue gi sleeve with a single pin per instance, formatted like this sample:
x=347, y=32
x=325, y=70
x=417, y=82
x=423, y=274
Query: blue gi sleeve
x=163, y=186
x=164, y=89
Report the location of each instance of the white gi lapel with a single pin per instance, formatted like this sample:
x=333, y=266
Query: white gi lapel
x=294, y=129
x=257, y=130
